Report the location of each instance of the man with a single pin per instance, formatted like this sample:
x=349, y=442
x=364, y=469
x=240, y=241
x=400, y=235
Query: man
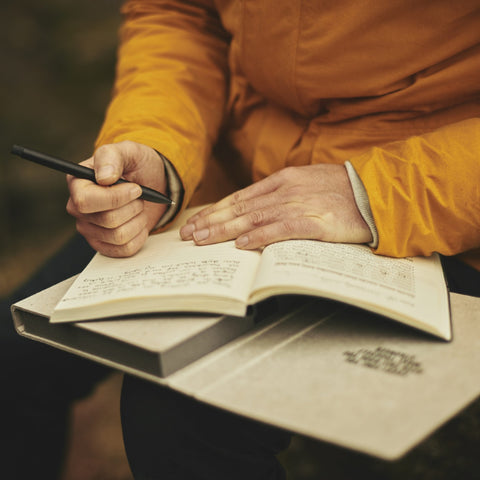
x=349, y=122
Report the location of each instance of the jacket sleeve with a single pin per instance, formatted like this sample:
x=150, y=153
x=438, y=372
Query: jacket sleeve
x=170, y=84
x=424, y=192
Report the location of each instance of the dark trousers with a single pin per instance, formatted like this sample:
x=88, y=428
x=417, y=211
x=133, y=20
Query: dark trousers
x=173, y=437
x=167, y=435
x=39, y=383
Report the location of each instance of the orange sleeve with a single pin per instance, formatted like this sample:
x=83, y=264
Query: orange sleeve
x=424, y=192
x=170, y=85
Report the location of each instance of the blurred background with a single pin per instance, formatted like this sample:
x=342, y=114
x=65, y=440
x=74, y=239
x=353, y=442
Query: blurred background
x=58, y=60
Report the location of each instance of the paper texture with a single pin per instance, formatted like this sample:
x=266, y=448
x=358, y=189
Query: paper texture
x=353, y=379
x=411, y=290
x=334, y=373
x=166, y=266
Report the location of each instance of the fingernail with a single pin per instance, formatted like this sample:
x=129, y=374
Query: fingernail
x=105, y=172
x=187, y=230
x=135, y=191
x=201, y=234
x=241, y=241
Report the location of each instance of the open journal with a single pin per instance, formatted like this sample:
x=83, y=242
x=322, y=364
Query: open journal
x=171, y=275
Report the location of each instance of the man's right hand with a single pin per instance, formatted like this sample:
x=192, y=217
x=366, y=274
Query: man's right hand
x=112, y=218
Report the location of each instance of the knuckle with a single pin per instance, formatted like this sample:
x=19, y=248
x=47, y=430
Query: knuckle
x=295, y=191
x=115, y=202
x=108, y=249
x=98, y=246
x=104, y=152
x=237, y=197
x=221, y=230
x=125, y=147
x=132, y=247
x=260, y=237
x=110, y=219
x=128, y=144
x=80, y=202
x=203, y=222
x=119, y=236
x=257, y=218
x=103, y=149
x=277, y=211
x=128, y=250
x=239, y=208
x=115, y=198
x=289, y=227
x=286, y=173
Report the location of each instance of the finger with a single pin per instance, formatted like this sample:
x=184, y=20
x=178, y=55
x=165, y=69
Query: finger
x=123, y=159
x=118, y=251
x=326, y=228
x=109, y=164
x=288, y=229
x=116, y=217
x=263, y=187
x=119, y=236
x=87, y=197
x=249, y=208
x=220, y=232
x=77, y=182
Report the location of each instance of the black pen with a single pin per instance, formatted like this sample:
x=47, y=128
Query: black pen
x=80, y=171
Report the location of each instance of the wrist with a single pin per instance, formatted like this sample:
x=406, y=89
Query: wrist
x=174, y=190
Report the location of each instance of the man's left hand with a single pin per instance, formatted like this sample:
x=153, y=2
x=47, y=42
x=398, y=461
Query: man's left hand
x=308, y=202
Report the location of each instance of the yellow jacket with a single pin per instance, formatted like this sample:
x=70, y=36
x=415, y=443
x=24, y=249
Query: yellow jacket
x=393, y=87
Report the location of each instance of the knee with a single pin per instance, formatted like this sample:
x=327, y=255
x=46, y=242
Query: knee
x=167, y=431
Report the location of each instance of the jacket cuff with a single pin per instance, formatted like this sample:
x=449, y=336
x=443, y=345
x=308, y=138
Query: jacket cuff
x=175, y=192
x=363, y=204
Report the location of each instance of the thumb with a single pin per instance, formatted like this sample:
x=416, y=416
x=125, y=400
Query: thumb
x=108, y=164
